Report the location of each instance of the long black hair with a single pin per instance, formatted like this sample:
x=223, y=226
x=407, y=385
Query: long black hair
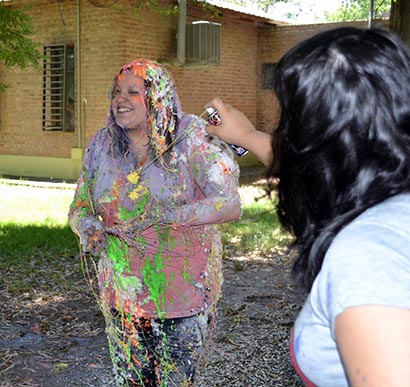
x=343, y=140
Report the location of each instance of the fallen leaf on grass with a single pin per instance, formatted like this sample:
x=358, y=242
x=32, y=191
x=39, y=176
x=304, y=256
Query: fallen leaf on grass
x=61, y=366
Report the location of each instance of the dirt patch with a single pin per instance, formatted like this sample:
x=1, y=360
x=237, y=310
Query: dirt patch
x=60, y=340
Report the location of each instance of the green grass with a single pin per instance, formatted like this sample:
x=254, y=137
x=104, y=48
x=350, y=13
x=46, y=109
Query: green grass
x=37, y=247
x=39, y=250
x=34, y=204
x=258, y=231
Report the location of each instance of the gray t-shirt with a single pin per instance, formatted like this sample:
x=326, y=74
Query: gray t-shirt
x=368, y=263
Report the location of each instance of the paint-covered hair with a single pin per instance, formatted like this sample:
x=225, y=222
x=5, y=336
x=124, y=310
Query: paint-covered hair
x=343, y=140
x=163, y=106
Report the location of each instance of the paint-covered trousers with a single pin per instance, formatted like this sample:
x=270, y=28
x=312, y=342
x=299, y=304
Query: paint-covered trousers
x=157, y=353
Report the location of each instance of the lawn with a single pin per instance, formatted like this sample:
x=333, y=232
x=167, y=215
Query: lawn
x=52, y=331
x=36, y=242
x=35, y=236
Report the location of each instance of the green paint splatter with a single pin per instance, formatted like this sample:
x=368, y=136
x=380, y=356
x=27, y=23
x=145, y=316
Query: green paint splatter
x=118, y=251
x=185, y=274
x=125, y=214
x=156, y=281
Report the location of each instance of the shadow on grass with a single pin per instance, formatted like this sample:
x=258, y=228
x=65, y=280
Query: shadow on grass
x=37, y=257
x=22, y=243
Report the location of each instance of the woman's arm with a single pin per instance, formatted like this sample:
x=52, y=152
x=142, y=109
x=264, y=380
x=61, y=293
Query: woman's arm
x=374, y=343
x=82, y=217
x=236, y=129
x=216, y=178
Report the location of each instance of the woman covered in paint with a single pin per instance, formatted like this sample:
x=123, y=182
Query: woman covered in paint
x=152, y=189
x=341, y=153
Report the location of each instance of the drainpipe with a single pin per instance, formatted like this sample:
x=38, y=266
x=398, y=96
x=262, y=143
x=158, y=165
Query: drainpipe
x=181, y=36
x=371, y=13
x=79, y=106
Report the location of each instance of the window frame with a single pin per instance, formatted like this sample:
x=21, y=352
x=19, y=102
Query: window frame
x=58, y=88
x=203, y=43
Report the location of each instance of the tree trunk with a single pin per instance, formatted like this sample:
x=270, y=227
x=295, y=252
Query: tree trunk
x=400, y=19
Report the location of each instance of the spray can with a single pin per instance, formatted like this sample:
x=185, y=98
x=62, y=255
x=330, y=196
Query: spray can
x=214, y=119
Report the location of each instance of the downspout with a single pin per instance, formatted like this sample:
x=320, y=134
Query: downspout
x=371, y=13
x=181, y=36
x=79, y=106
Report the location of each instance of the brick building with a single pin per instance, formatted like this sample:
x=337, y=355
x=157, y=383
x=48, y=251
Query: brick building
x=47, y=115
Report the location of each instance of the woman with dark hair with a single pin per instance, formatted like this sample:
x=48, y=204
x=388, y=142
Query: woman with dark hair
x=152, y=189
x=341, y=153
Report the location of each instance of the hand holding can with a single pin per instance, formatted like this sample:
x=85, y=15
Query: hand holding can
x=214, y=119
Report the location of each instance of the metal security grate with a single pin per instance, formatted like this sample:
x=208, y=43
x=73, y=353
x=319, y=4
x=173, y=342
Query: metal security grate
x=203, y=42
x=58, y=82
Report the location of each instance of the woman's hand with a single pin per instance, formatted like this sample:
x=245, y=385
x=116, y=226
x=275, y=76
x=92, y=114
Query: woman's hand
x=235, y=128
x=127, y=229
x=92, y=235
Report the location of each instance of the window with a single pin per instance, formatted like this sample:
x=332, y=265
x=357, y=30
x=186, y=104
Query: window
x=58, y=88
x=268, y=75
x=203, y=43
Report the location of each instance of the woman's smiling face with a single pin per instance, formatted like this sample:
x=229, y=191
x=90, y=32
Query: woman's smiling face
x=128, y=102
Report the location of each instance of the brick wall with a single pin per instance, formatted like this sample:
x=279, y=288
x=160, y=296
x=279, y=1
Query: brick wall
x=234, y=80
x=21, y=104
x=274, y=42
x=108, y=39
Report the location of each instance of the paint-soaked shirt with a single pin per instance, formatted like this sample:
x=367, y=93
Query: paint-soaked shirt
x=164, y=254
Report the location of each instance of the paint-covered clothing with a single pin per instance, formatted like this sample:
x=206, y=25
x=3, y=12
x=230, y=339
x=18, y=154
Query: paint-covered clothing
x=158, y=360
x=368, y=263
x=164, y=251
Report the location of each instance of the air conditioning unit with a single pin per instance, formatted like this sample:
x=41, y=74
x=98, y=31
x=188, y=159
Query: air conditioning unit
x=203, y=42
